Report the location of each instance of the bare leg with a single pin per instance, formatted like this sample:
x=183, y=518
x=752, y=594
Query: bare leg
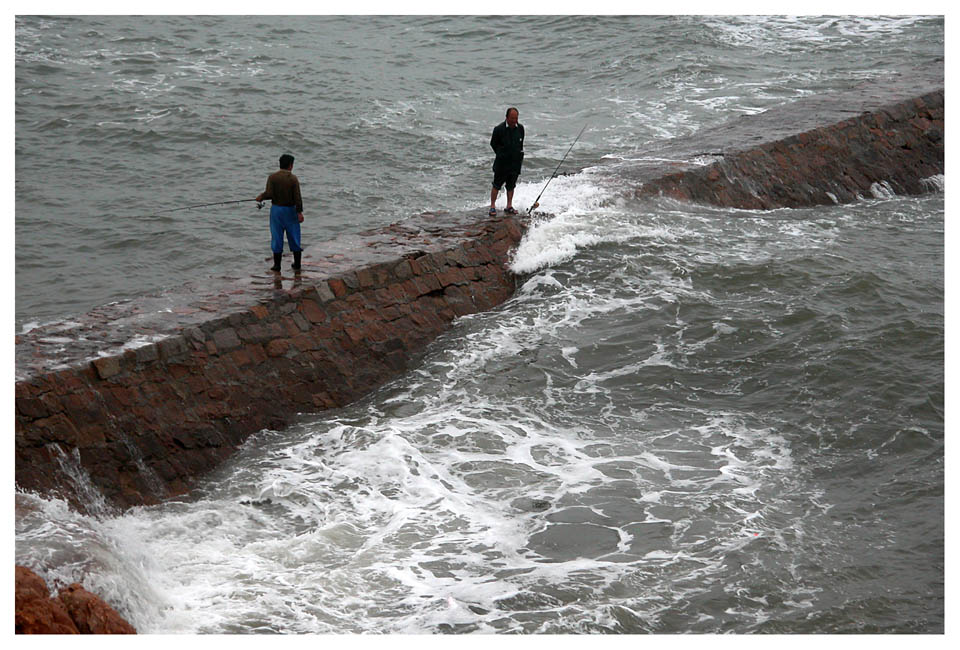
x=493, y=198
x=509, y=199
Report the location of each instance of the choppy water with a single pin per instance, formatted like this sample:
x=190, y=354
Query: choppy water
x=687, y=419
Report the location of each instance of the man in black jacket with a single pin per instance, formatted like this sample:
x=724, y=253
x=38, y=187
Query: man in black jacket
x=507, y=143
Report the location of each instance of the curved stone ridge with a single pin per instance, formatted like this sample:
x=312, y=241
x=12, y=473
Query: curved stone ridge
x=896, y=147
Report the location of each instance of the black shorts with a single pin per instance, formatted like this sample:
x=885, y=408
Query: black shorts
x=508, y=176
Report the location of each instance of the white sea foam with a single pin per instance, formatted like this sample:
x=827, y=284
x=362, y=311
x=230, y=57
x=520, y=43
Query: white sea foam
x=935, y=183
x=583, y=213
x=419, y=506
x=882, y=190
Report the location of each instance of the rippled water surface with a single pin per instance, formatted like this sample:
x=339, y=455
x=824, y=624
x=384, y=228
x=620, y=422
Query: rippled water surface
x=687, y=419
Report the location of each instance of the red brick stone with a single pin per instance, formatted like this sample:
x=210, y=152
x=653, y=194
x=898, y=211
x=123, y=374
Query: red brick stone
x=126, y=395
x=91, y=614
x=107, y=366
x=290, y=326
x=354, y=332
x=338, y=287
x=410, y=290
x=69, y=381
x=277, y=347
x=313, y=312
x=257, y=353
x=427, y=283
x=55, y=427
x=451, y=275
x=390, y=313
x=365, y=278
x=91, y=435
x=178, y=370
x=304, y=342
x=402, y=270
x=374, y=331
x=397, y=294
x=34, y=611
x=32, y=408
x=241, y=357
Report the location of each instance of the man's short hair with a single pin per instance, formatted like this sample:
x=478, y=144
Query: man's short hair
x=512, y=108
x=285, y=161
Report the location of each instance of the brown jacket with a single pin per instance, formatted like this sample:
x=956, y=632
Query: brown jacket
x=283, y=188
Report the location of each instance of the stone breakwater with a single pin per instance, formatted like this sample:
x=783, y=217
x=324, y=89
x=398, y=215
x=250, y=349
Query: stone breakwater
x=895, y=149
x=129, y=403
x=134, y=400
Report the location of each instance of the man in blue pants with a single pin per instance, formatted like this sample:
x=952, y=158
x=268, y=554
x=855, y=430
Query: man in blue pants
x=286, y=211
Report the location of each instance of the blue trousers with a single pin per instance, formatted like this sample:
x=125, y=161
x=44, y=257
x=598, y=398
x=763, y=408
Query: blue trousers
x=283, y=219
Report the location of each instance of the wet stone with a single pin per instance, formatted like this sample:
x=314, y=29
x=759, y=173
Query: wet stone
x=226, y=339
x=107, y=367
x=173, y=347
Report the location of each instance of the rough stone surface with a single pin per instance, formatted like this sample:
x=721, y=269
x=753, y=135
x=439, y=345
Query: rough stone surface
x=34, y=611
x=90, y=614
x=74, y=611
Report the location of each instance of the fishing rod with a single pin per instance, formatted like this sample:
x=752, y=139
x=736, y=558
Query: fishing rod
x=536, y=203
x=205, y=205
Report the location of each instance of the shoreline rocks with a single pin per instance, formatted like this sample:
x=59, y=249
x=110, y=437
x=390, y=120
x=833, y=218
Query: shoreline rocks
x=73, y=611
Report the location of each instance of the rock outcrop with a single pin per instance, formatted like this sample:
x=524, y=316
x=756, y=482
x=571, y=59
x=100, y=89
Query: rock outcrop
x=73, y=611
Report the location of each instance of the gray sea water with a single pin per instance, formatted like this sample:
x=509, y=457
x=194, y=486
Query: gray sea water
x=687, y=420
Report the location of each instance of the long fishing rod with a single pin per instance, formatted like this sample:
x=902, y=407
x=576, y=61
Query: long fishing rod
x=536, y=203
x=205, y=205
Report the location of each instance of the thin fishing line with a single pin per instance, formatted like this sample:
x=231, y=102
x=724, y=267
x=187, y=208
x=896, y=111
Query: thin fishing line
x=536, y=202
x=202, y=205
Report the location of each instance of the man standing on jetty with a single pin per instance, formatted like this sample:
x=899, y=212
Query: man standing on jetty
x=286, y=211
x=507, y=143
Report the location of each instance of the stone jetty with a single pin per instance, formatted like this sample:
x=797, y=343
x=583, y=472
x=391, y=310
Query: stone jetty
x=135, y=399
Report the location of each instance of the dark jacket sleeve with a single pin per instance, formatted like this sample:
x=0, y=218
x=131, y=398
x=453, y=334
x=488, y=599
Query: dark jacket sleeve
x=268, y=191
x=495, y=139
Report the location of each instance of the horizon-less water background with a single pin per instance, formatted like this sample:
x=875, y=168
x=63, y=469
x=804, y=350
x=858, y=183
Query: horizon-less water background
x=688, y=419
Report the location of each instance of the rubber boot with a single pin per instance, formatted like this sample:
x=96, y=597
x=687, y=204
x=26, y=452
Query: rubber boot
x=296, y=260
x=276, y=261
